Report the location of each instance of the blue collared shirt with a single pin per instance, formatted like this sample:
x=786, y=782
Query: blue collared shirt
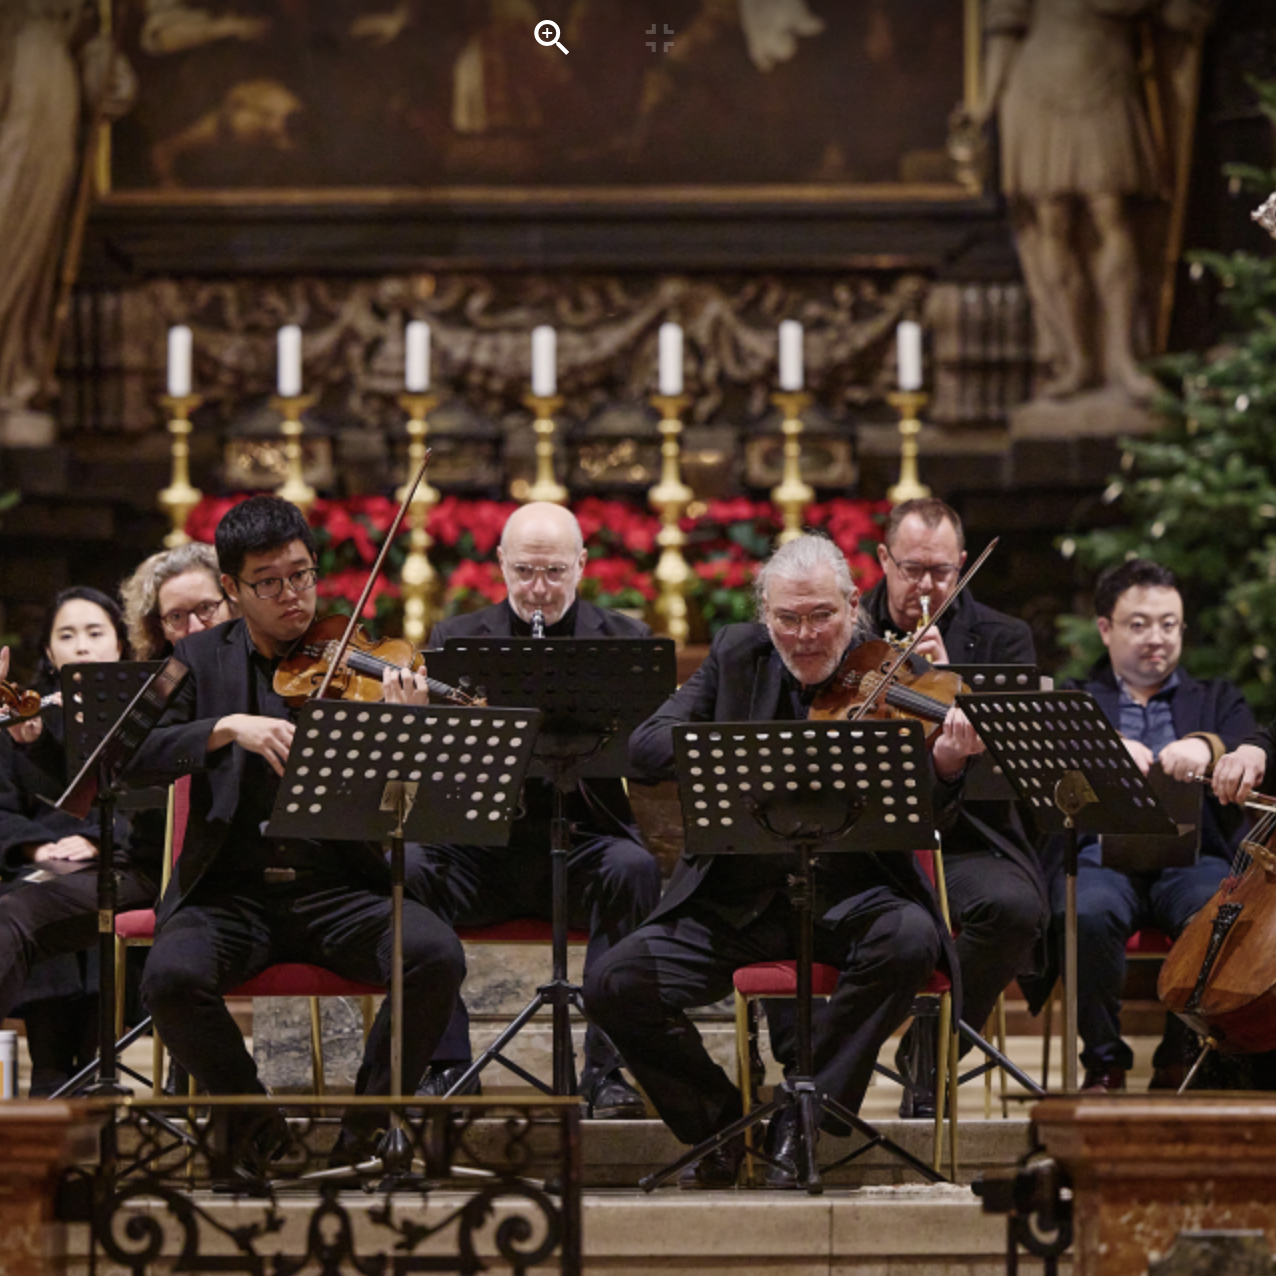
x=1151, y=724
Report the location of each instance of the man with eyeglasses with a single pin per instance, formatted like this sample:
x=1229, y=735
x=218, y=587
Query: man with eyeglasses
x=1184, y=725
x=876, y=917
x=239, y=901
x=613, y=880
x=996, y=894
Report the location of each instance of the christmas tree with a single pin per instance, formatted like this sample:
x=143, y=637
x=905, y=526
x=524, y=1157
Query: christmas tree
x=1199, y=494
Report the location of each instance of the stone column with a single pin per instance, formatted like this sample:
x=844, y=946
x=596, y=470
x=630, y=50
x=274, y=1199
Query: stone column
x=38, y=1139
x=1145, y=1168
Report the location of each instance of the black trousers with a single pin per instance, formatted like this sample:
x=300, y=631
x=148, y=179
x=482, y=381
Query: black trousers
x=46, y=919
x=229, y=930
x=612, y=885
x=640, y=993
x=999, y=914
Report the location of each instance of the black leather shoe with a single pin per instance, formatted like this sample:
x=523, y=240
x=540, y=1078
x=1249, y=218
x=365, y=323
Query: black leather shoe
x=259, y=1139
x=441, y=1077
x=1103, y=1080
x=784, y=1144
x=612, y=1098
x=354, y=1148
x=717, y=1169
x=915, y=1062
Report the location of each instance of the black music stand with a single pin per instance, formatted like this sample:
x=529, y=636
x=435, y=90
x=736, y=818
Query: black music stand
x=594, y=693
x=803, y=788
x=108, y=711
x=389, y=772
x=1071, y=768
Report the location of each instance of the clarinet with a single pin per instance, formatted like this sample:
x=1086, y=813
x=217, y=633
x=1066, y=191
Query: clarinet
x=538, y=623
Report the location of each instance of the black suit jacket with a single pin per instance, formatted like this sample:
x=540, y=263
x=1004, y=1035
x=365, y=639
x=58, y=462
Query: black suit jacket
x=218, y=686
x=598, y=807
x=742, y=680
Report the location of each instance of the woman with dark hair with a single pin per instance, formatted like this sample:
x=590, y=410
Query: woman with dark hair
x=59, y=994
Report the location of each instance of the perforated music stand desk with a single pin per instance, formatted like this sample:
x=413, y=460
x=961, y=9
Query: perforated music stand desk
x=1070, y=767
x=803, y=788
x=391, y=772
x=984, y=779
x=109, y=707
x=594, y=692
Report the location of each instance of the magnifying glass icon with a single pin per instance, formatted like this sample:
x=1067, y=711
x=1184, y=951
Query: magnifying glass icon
x=548, y=33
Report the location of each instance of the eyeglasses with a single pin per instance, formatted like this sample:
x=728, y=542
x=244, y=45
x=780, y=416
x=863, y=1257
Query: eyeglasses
x=791, y=622
x=180, y=619
x=554, y=574
x=1141, y=626
x=914, y=573
x=273, y=586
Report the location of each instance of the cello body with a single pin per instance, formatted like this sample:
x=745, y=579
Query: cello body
x=1220, y=976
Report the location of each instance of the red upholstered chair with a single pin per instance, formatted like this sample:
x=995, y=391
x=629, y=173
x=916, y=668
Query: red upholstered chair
x=779, y=979
x=287, y=979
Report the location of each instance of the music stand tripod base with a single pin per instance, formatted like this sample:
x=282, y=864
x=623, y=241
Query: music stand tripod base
x=803, y=788
x=593, y=693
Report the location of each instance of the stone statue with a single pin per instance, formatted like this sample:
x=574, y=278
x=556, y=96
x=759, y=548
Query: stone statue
x=1076, y=148
x=54, y=74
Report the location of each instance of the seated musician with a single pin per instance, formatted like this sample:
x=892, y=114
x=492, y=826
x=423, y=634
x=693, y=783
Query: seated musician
x=239, y=901
x=1167, y=716
x=997, y=896
x=613, y=881
x=43, y=917
x=173, y=593
x=48, y=857
x=876, y=916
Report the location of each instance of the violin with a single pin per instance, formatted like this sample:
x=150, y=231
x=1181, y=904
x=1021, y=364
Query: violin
x=1220, y=975
x=878, y=680
x=302, y=673
x=872, y=674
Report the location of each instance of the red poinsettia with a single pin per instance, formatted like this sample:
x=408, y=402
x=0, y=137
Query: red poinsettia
x=470, y=577
x=618, y=580
x=349, y=584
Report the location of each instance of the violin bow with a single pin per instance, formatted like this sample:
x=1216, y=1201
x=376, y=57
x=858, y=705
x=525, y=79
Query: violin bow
x=871, y=700
x=335, y=663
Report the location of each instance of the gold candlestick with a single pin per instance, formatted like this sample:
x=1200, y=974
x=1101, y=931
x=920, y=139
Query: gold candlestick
x=419, y=580
x=546, y=487
x=179, y=497
x=792, y=495
x=295, y=488
x=670, y=497
x=909, y=403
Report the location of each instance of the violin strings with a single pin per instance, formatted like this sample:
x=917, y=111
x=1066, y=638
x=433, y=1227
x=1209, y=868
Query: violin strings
x=377, y=664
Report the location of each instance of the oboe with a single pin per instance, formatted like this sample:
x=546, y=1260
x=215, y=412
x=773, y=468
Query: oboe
x=538, y=623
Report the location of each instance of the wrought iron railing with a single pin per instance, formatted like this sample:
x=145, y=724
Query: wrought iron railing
x=473, y=1185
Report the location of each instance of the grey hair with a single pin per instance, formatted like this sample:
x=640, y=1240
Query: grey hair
x=140, y=592
x=801, y=557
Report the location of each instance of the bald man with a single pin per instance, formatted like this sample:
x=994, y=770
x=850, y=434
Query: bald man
x=613, y=882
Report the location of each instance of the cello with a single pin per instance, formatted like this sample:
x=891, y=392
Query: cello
x=1220, y=975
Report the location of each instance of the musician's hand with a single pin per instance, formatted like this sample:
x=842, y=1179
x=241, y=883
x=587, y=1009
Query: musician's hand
x=957, y=742
x=1142, y=755
x=1239, y=773
x=74, y=847
x=270, y=737
x=402, y=686
x=26, y=731
x=1186, y=759
x=932, y=647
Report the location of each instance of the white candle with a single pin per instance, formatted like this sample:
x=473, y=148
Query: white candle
x=908, y=348
x=179, y=361
x=544, y=361
x=791, y=370
x=670, y=359
x=417, y=376
x=290, y=360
